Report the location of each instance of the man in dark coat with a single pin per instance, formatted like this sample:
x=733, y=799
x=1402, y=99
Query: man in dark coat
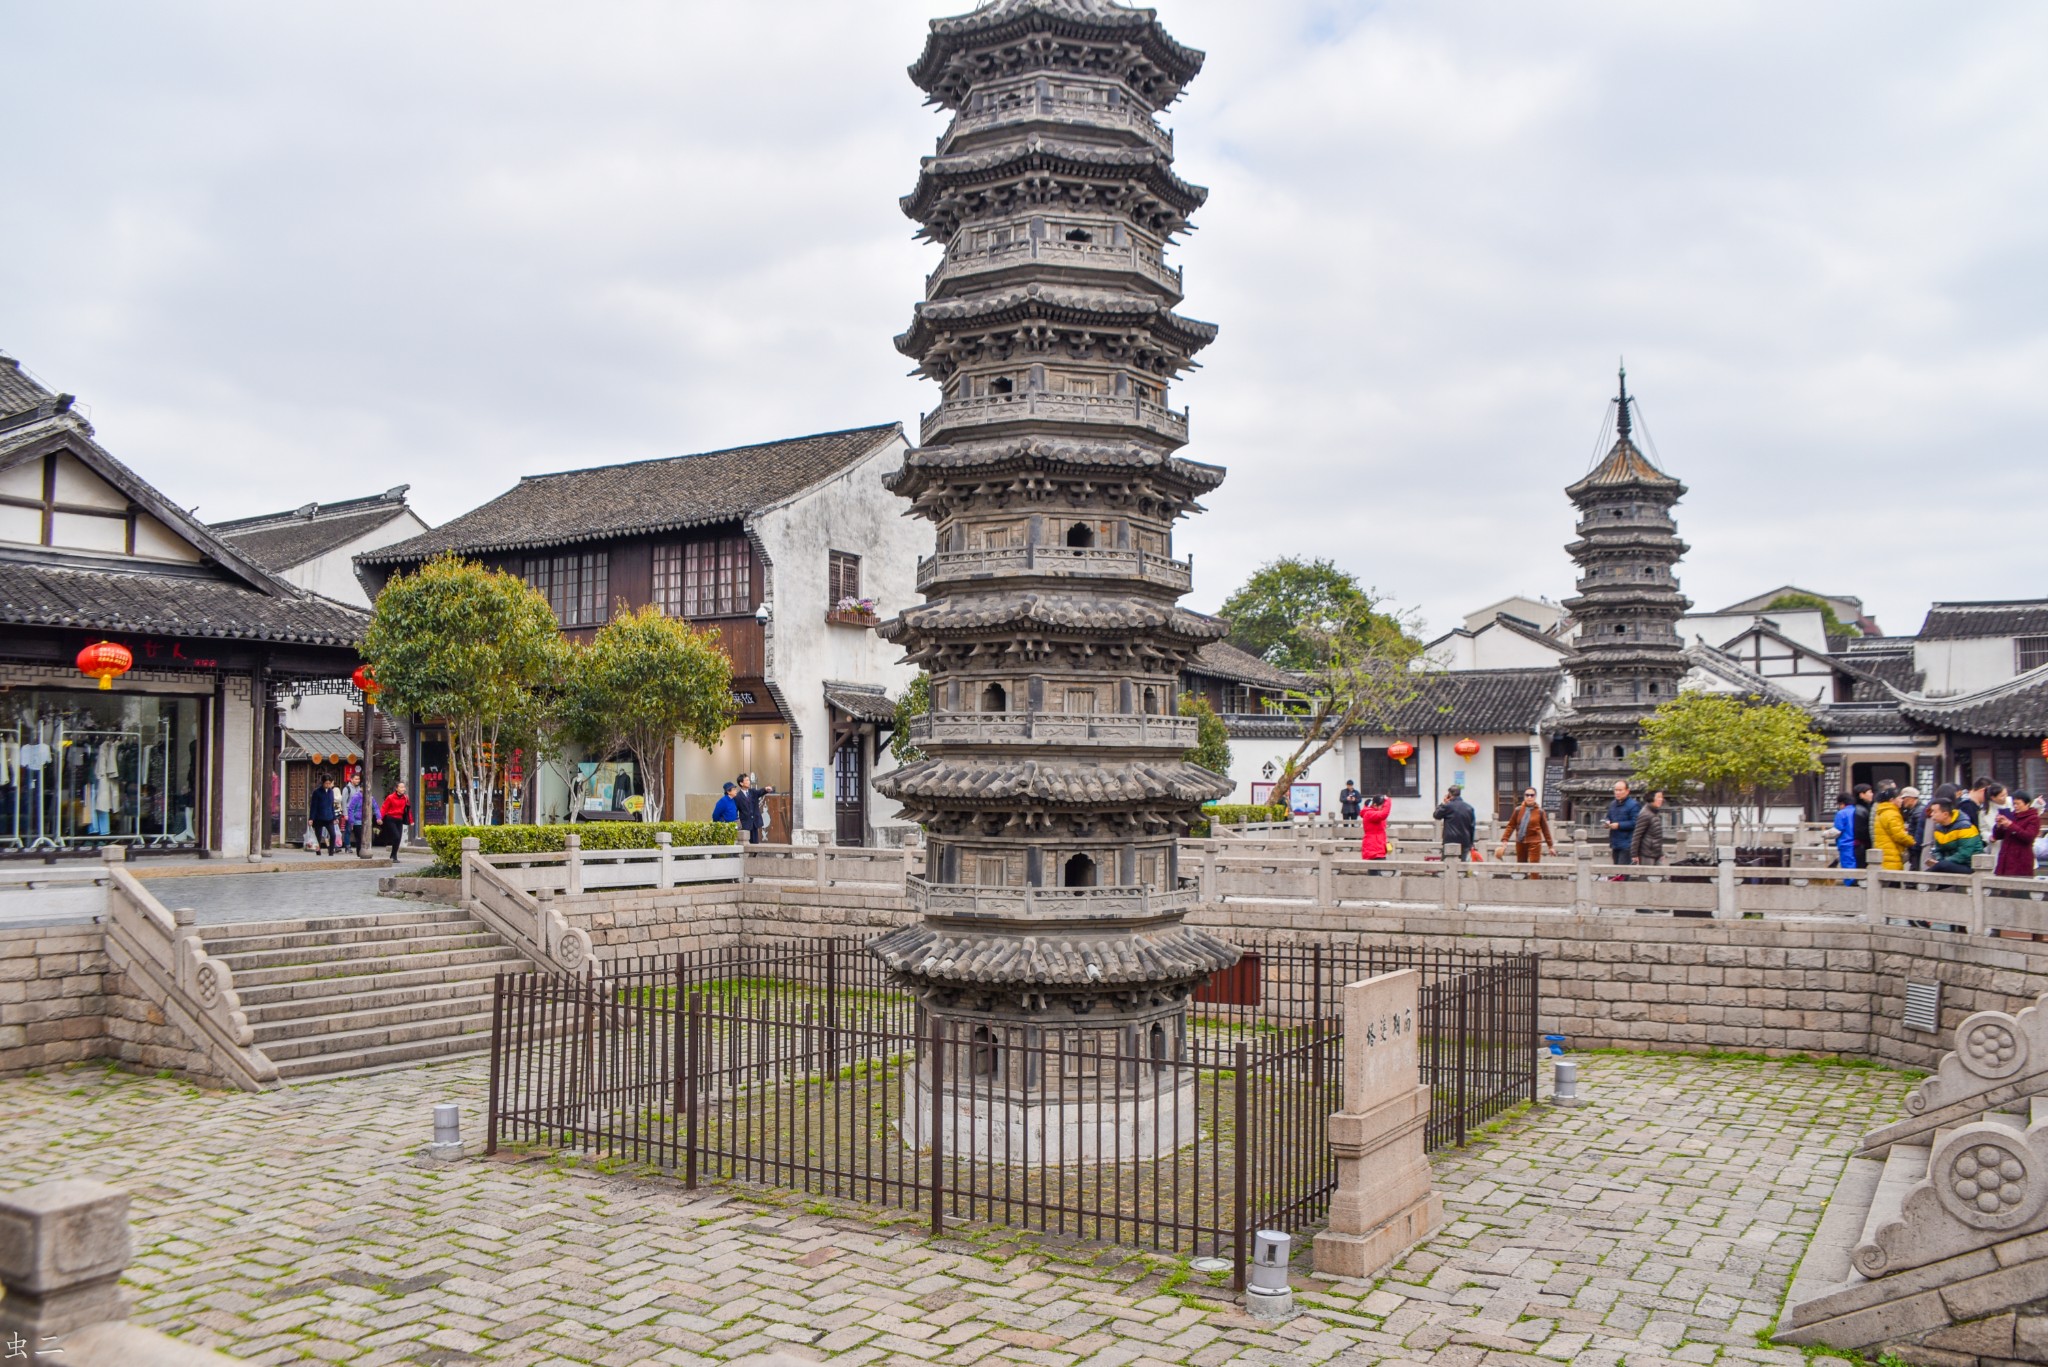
x=749, y=803
x=320, y=812
x=1349, y=801
x=1621, y=822
x=1647, y=844
x=1461, y=823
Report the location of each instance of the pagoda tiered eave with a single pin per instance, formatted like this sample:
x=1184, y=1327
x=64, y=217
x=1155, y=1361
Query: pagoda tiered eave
x=1091, y=311
x=1157, y=199
x=1005, y=39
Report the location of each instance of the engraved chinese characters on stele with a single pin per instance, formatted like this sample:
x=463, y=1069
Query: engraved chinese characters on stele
x=1379, y=1014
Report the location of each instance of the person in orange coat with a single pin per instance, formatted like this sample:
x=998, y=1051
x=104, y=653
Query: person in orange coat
x=1372, y=818
x=1528, y=830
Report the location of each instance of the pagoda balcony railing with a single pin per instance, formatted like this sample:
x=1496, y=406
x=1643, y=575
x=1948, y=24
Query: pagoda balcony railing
x=1027, y=106
x=1587, y=526
x=964, y=902
x=1066, y=561
x=1106, y=729
x=1135, y=257
x=1627, y=640
x=995, y=410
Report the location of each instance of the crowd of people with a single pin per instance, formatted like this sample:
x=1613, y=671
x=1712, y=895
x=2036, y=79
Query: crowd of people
x=334, y=816
x=1874, y=825
x=1943, y=834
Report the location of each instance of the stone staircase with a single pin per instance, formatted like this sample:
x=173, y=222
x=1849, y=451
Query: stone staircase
x=346, y=994
x=1935, y=1245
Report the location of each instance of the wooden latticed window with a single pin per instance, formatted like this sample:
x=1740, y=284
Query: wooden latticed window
x=842, y=578
x=577, y=587
x=2030, y=652
x=705, y=578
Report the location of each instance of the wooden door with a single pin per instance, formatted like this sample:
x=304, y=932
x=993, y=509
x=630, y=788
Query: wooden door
x=297, y=789
x=850, y=798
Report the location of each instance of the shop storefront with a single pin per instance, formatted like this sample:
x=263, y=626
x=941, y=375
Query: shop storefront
x=81, y=767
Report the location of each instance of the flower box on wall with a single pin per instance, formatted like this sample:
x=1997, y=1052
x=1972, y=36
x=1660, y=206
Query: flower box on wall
x=854, y=612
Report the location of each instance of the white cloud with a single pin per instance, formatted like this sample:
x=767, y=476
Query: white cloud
x=307, y=251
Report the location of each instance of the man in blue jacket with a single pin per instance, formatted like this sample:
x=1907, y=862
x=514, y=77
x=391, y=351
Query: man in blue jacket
x=1621, y=822
x=320, y=814
x=725, y=809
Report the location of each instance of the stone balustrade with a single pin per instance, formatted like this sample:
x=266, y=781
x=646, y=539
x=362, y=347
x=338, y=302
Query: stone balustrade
x=1095, y=728
x=575, y=870
x=1056, y=106
x=965, y=262
x=997, y=410
x=1066, y=561
x=1046, y=904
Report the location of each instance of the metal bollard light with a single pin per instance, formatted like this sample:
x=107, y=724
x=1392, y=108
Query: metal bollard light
x=1565, y=1083
x=447, y=1131
x=1267, y=1294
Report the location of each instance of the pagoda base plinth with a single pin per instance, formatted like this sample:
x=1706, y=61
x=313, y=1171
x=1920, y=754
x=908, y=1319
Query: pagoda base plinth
x=992, y=1126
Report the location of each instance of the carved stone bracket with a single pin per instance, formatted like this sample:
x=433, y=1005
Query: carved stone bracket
x=211, y=986
x=1986, y=1182
x=1998, y=1059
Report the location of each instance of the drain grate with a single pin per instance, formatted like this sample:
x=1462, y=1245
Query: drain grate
x=1923, y=1006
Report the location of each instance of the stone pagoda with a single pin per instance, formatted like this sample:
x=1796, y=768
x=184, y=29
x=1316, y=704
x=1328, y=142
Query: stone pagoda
x=1052, y=790
x=1627, y=658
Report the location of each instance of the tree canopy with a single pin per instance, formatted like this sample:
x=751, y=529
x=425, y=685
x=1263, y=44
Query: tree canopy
x=644, y=680
x=1292, y=612
x=1212, y=739
x=478, y=648
x=1835, y=626
x=915, y=702
x=1720, y=750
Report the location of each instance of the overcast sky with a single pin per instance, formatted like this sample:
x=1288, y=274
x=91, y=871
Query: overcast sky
x=287, y=252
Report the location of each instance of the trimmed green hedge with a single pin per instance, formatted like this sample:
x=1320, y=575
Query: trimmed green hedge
x=1234, y=813
x=597, y=835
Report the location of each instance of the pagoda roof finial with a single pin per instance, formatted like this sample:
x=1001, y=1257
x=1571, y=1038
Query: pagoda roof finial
x=1621, y=421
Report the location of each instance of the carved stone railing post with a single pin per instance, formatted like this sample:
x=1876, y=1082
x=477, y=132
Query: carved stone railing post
x=821, y=865
x=1873, y=887
x=1582, y=881
x=665, y=876
x=1326, y=877
x=1453, y=875
x=1980, y=868
x=1385, y=1201
x=572, y=847
x=470, y=845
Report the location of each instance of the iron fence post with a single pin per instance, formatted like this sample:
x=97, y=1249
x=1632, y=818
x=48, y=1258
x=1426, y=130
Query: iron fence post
x=679, y=1042
x=938, y=1045
x=1464, y=997
x=497, y=1057
x=1239, y=1224
x=693, y=1088
x=1534, y=968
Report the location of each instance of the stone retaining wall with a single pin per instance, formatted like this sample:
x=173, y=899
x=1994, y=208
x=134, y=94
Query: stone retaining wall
x=62, y=1000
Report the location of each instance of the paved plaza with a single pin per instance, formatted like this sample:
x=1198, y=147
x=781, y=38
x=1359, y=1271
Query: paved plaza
x=1660, y=1223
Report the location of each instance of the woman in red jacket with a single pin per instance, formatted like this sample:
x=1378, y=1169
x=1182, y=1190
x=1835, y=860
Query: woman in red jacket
x=393, y=815
x=2018, y=827
x=1372, y=817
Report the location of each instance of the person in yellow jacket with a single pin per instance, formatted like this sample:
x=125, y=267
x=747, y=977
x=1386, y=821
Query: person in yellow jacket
x=1888, y=833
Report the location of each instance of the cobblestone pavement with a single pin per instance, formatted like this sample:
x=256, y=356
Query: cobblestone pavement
x=1659, y=1223
x=346, y=886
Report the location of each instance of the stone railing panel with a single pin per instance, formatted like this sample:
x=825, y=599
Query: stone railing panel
x=1985, y=1183
x=532, y=925
x=577, y=870
x=1997, y=1060
x=162, y=956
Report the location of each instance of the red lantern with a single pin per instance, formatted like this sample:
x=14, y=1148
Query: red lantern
x=2044, y=749
x=365, y=679
x=1466, y=748
x=105, y=661
x=1399, y=751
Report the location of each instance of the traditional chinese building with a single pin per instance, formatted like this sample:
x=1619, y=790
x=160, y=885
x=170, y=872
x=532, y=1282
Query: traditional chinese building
x=1052, y=786
x=1627, y=656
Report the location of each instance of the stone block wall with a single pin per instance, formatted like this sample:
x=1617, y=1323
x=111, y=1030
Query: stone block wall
x=52, y=996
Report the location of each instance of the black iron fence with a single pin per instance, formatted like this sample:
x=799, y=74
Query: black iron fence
x=800, y=1066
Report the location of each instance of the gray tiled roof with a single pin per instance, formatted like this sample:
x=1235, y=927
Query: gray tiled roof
x=2016, y=708
x=642, y=497
x=1222, y=660
x=19, y=393
x=1053, y=780
x=1625, y=464
x=1967, y=621
x=169, y=603
x=284, y=540
x=1893, y=668
x=862, y=704
x=1860, y=719
x=941, y=70
x=1457, y=703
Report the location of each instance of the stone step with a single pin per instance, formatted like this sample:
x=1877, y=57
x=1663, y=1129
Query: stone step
x=448, y=978
x=370, y=992
x=354, y=952
x=1906, y=1165
x=340, y=1043
x=222, y=930
x=342, y=1063
x=362, y=1015
x=224, y=946
x=484, y=952
x=1826, y=1267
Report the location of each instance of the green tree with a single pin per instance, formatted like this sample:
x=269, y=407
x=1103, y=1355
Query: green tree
x=1720, y=750
x=1835, y=626
x=1371, y=671
x=645, y=680
x=476, y=648
x=1292, y=613
x=915, y=702
x=1212, y=737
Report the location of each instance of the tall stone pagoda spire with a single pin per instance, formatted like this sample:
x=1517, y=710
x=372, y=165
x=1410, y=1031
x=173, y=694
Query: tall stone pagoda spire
x=1052, y=789
x=1627, y=658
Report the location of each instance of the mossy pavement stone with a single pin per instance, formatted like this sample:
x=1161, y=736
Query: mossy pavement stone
x=1660, y=1224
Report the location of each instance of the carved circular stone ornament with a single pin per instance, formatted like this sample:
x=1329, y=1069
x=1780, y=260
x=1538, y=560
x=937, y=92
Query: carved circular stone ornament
x=1987, y=1177
x=206, y=984
x=1990, y=1044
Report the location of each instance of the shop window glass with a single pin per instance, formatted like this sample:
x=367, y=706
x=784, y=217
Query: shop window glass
x=90, y=768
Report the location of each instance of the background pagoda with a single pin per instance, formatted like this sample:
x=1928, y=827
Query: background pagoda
x=1627, y=658
x=1052, y=791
